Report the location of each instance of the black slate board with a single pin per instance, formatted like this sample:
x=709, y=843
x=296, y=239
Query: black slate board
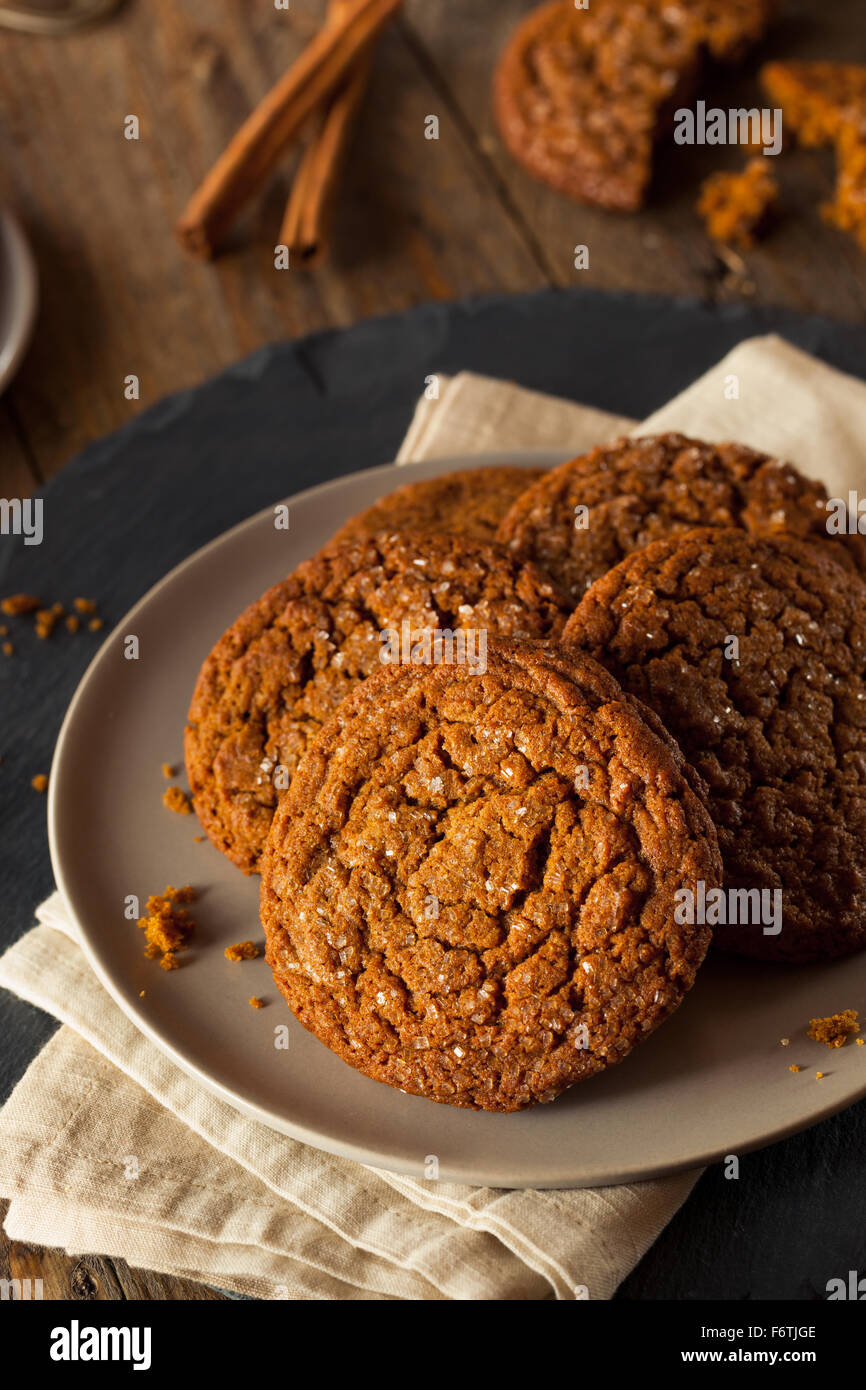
x=133, y=505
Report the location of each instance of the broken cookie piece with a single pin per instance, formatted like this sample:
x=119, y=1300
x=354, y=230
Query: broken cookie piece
x=582, y=95
x=825, y=104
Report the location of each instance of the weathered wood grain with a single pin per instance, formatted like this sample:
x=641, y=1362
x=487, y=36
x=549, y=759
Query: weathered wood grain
x=91, y=1278
x=804, y=264
x=417, y=219
x=18, y=473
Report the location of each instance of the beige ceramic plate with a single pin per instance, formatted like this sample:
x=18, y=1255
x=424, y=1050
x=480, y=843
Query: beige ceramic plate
x=712, y=1081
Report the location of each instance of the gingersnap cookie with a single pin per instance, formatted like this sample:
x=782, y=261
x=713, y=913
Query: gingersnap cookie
x=469, y=890
x=752, y=649
x=277, y=674
x=470, y=502
x=582, y=518
x=581, y=95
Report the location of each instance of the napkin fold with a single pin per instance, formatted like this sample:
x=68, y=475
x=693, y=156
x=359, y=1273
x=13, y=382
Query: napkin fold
x=107, y=1146
x=765, y=393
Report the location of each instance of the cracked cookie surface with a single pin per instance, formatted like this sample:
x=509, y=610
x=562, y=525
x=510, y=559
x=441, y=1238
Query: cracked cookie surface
x=468, y=892
x=582, y=518
x=288, y=660
x=753, y=652
x=470, y=502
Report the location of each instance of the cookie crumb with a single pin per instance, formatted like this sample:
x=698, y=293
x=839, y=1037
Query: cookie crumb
x=39, y=783
x=735, y=206
x=177, y=800
x=795, y=1068
x=835, y=1030
x=786, y=1042
x=8, y=649
x=168, y=926
x=242, y=950
x=17, y=604
x=167, y=770
x=95, y=624
x=257, y=1003
x=46, y=621
x=819, y=1076
x=72, y=623
x=142, y=993
x=84, y=605
x=197, y=839
x=823, y=104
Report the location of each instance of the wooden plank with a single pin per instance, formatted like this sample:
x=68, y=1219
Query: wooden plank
x=91, y=1278
x=119, y=297
x=805, y=264
x=18, y=477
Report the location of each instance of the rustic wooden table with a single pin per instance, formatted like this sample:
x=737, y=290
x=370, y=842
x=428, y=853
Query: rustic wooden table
x=418, y=220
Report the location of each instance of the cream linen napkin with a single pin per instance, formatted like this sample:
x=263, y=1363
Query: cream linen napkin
x=106, y=1146
x=765, y=393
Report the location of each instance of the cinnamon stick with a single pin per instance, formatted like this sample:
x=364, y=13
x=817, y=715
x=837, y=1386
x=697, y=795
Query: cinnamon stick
x=254, y=150
x=308, y=218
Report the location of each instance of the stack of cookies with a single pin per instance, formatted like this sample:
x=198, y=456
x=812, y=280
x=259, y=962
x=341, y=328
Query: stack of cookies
x=516, y=747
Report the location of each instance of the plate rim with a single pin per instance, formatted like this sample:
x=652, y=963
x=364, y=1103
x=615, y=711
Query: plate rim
x=623, y=1172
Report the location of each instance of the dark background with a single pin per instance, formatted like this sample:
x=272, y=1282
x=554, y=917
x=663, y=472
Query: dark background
x=294, y=414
